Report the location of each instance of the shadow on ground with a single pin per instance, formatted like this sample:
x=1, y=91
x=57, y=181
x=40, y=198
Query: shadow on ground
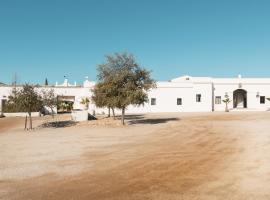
x=141, y=119
x=131, y=117
x=152, y=121
x=91, y=117
x=58, y=124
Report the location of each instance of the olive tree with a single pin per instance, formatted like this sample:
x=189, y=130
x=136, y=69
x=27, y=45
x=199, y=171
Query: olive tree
x=49, y=99
x=122, y=82
x=103, y=96
x=29, y=100
x=13, y=102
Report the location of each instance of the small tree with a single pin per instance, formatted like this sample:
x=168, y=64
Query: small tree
x=124, y=81
x=226, y=101
x=46, y=82
x=29, y=100
x=13, y=102
x=85, y=101
x=49, y=99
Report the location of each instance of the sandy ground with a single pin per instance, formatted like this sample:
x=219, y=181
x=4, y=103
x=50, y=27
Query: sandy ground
x=158, y=156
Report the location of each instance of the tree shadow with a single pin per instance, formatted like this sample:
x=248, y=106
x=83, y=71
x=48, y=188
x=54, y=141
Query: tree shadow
x=153, y=120
x=131, y=117
x=58, y=124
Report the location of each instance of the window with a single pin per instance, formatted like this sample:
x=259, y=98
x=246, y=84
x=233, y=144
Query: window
x=198, y=97
x=262, y=99
x=179, y=101
x=218, y=100
x=153, y=101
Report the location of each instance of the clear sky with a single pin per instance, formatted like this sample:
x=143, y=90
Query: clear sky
x=53, y=38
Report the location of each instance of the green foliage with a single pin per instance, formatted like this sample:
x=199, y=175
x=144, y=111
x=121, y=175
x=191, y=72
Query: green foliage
x=121, y=82
x=103, y=95
x=12, y=104
x=46, y=82
x=64, y=106
x=30, y=101
x=85, y=101
x=23, y=100
x=226, y=101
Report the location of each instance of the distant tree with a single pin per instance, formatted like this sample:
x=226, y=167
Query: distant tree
x=49, y=99
x=14, y=79
x=124, y=81
x=46, y=82
x=13, y=102
x=85, y=101
x=226, y=101
x=29, y=100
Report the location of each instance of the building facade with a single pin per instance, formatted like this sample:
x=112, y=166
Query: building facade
x=182, y=94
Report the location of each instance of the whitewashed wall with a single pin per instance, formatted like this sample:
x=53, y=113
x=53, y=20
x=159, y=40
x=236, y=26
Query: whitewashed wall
x=77, y=92
x=184, y=87
x=252, y=86
x=166, y=95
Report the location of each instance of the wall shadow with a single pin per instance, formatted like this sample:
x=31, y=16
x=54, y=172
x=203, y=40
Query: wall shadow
x=91, y=117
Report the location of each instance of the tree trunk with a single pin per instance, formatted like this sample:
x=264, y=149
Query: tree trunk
x=30, y=120
x=113, y=113
x=123, y=116
x=109, y=112
x=52, y=112
x=25, y=123
x=226, y=109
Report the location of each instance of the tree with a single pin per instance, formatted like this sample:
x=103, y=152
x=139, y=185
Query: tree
x=226, y=101
x=49, y=99
x=15, y=80
x=85, y=101
x=123, y=81
x=29, y=100
x=103, y=96
x=13, y=102
x=46, y=82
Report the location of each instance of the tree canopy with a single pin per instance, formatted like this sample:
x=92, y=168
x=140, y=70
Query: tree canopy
x=122, y=82
x=29, y=99
x=26, y=100
x=49, y=99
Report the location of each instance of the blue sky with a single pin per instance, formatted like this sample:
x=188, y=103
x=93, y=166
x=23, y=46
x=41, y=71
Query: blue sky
x=53, y=38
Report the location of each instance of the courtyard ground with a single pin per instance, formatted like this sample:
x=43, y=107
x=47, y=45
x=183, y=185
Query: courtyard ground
x=157, y=156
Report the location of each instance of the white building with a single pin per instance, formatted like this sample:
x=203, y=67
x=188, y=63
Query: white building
x=183, y=94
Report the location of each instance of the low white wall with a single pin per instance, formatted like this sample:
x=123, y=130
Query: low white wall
x=79, y=115
x=21, y=114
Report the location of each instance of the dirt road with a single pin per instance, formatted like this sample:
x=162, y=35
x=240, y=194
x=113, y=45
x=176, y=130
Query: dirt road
x=168, y=156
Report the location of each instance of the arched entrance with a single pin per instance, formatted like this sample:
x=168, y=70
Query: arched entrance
x=240, y=98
